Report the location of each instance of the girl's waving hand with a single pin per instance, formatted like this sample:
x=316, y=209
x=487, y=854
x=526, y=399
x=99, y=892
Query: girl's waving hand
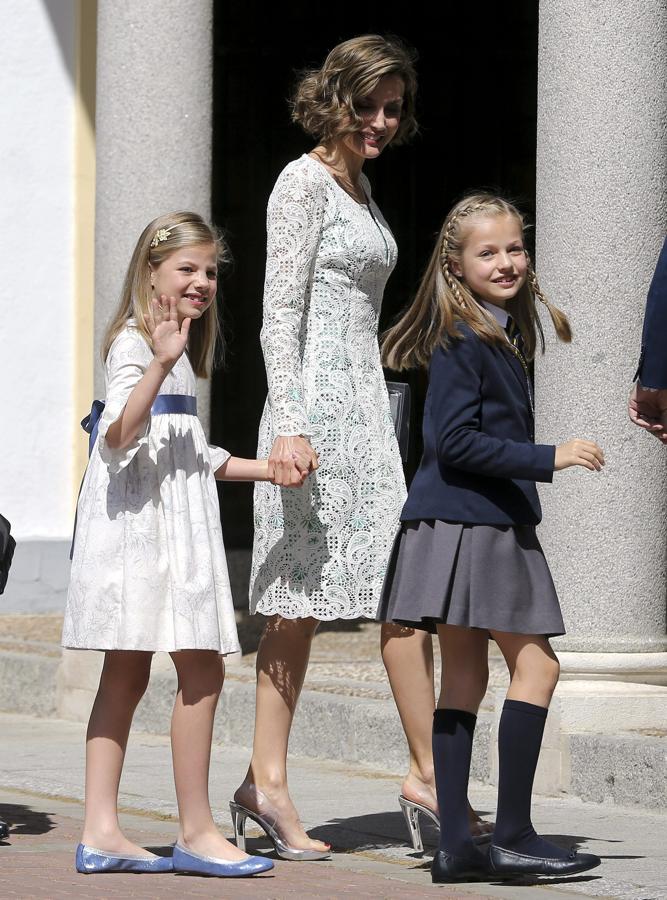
x=169, y=338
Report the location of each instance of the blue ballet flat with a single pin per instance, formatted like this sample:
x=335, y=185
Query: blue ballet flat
x=187, y=861
x=90, y=861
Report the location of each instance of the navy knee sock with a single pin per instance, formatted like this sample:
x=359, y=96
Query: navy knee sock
x=453, y=731
x=519, y=740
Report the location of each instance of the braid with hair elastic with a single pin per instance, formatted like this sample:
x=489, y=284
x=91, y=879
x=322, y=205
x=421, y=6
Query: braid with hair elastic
x=534, y=284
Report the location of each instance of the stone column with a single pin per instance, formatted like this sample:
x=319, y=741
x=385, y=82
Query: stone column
x=154, y=103
x=153, y=132
x=601, y=217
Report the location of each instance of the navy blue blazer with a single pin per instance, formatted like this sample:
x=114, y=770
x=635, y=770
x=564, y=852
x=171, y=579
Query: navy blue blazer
x=652, y=369
x=480, y=462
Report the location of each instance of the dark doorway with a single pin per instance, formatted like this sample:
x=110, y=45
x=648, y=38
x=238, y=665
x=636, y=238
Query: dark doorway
x=477, y=112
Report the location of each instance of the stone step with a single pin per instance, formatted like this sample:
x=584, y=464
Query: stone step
x=623, y=768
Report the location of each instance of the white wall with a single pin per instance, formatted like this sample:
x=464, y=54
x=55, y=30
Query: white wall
x=37, y=47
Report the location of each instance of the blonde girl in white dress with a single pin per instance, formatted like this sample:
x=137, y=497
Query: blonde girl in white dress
x=321, y=552
x=148, y=567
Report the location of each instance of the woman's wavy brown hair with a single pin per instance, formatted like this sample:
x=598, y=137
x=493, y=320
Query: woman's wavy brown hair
x=444, y=301
x=324, y=99
x=186, y=229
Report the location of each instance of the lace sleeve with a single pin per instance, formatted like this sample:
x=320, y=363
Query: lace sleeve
x=294, y=221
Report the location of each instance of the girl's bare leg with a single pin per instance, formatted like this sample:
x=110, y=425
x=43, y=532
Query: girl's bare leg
x=532, y=664
x=466, y=674
x=123, y=682
x=200, y=677
x=282, y=660
x=407, y=654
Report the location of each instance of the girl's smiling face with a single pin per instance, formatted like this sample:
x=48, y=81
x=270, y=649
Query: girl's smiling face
x=493, y=260
x=191, y=276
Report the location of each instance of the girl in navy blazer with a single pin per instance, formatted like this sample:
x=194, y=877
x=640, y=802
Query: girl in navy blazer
x=467, y=562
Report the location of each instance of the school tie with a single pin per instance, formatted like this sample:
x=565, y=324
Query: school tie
x=515, y=336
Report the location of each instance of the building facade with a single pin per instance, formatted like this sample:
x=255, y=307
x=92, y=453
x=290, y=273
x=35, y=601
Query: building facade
x=121, y=109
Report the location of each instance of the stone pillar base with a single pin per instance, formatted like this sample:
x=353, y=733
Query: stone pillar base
x=588, y=706
x=640, y=668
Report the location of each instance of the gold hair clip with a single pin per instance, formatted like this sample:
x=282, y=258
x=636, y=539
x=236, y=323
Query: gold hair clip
x=160, y=235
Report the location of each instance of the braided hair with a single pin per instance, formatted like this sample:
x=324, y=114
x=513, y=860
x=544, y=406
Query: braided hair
x=444, y=301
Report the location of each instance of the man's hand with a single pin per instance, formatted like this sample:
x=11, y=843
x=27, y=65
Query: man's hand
x=648, y=409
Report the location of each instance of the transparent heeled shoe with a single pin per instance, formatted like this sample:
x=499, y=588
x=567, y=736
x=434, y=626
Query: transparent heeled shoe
x=411, y=811
x=269, y=825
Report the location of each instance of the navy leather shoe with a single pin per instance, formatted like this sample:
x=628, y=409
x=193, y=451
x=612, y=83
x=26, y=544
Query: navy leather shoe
x=508, y=862
x=90, y=861
x=4, y=829
x=446, y=867
x=187, y=861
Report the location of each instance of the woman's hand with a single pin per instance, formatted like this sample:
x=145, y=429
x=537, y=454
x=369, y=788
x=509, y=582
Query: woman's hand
x=291, y=460
x=169, y=339
x=579, y=453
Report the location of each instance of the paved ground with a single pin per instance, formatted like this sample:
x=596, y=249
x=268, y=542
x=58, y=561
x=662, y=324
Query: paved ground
x=41, y=789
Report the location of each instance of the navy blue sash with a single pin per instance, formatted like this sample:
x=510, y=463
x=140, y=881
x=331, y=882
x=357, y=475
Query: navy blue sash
x=164, y=403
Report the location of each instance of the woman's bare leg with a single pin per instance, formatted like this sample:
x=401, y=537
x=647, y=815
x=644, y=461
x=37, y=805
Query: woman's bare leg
x=200, y=677
x=282, y=661
x=123, y=682
x=407, y=654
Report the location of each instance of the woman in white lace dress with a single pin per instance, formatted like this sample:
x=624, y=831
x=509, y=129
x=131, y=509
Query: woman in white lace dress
x=321, y=551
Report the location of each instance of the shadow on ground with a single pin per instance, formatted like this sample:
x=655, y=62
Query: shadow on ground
x=25, y=820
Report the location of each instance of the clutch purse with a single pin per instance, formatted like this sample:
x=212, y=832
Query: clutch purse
x=399, y=403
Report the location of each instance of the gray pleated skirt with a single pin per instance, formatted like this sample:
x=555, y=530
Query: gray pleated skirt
x=493, y=577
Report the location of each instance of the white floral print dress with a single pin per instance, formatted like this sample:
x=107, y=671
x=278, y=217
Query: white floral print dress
x=322, y=550
x=149, y=569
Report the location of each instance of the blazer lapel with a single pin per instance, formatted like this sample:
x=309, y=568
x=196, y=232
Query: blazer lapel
x=518, y=371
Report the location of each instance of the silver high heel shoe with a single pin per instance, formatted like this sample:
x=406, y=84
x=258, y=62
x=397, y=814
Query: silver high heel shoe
x=284, y=851
x=411, y=812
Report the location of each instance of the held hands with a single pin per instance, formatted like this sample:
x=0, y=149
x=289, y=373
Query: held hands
x=291, y=460
x=169, y=339
x=579, y=453
x=648, y=410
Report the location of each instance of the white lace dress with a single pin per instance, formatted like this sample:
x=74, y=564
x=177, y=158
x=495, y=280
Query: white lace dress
x=149, y=569
x=322, y=550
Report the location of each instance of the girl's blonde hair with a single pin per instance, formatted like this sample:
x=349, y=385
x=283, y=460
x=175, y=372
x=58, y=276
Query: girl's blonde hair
x=444, y=301
x=323, y=102
x=158, y=240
